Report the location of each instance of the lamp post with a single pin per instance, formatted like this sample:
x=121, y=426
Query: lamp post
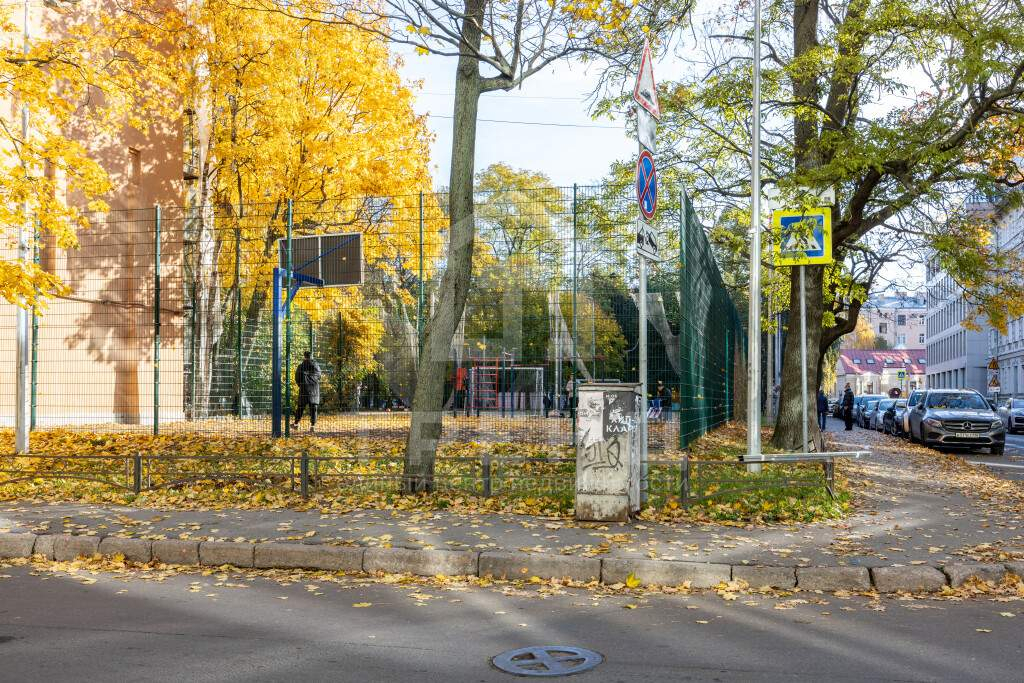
x=754, y=320
x=22, y=321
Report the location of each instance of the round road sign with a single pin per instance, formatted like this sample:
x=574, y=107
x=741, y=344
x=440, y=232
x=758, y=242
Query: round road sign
x=646, y=185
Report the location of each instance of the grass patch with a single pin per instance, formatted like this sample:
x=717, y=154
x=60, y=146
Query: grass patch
x=239, y=471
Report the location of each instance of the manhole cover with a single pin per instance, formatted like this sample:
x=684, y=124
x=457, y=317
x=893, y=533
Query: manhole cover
x=547, y=660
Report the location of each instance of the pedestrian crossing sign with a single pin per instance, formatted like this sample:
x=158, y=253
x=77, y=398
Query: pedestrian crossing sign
x=805, y=237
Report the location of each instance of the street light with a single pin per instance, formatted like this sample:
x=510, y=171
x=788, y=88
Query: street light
x=754, y=320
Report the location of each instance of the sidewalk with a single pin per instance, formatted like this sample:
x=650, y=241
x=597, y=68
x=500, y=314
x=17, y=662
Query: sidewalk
x=914, y=507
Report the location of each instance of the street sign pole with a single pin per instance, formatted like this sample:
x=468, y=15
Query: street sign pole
x=648, y=110
x=803, y=362
x=642, y=306
x=754, y=319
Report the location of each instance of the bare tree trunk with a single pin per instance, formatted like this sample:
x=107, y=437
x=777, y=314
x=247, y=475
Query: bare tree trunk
x=564, y=338
x=427, y=402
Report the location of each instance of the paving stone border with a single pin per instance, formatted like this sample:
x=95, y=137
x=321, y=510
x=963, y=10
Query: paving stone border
x=500, y=565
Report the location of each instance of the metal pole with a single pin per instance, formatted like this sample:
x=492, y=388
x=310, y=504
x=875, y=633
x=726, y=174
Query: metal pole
x=35, y=340
x=419, y=305
x=754, y=320
x=238, y=322
x=803, y=362
x=275, y=358
x=22, y=352
x=156, y=319
x=287, y=379
x=575, y=285
x=642, y=370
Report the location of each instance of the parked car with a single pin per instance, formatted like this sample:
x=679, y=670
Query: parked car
x=866, y=412
x=876, y=420
x=912, y=400
x=892, y=419
x=1011, y=410
x=957, y=418
x=859, y=403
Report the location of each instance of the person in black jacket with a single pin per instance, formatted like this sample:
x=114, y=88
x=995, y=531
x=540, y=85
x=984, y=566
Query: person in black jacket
x=307, y=376
x=848, y=407
x=822, y=410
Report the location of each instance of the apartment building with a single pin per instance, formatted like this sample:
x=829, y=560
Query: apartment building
x=898, y=318
x=1006, y=351
x=958, y=357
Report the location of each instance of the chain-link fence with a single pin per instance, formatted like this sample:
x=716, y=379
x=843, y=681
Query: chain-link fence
x=166, y=323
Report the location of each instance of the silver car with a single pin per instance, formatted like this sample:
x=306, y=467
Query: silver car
x=1011, y=410
x=877, y=417
x=957, y=418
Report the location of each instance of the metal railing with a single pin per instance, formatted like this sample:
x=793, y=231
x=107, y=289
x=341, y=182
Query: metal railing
x=690, y=480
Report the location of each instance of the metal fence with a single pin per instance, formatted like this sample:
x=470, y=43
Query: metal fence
x=166, y=321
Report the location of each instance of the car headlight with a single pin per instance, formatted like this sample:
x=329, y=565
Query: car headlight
x=997, y=424
x=932, y=422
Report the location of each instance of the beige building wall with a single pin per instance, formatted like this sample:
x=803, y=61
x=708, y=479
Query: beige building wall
x=95, y=358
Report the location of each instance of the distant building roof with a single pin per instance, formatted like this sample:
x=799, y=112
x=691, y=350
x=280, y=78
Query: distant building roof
x=861, y=361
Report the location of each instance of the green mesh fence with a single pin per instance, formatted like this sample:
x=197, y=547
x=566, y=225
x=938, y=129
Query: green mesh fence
x=166, y=324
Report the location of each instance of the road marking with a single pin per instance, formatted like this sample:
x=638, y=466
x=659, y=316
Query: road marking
x=997, y=464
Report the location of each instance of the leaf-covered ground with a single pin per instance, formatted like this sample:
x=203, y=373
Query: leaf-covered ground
x=184, y=469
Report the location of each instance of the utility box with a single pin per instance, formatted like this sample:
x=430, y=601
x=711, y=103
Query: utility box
x=608, y=451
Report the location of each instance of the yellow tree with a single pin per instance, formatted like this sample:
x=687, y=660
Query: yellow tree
x=295, y=110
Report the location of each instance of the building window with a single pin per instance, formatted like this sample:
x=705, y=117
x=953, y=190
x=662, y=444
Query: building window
x=882, y=328
x=901, y=339
x=920, y=338
x=901, y=320
x=134, y=166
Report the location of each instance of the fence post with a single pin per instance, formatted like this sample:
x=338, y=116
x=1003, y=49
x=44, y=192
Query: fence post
x=304, y=474
x=34, y=381
x=288, y=332
x=728, y=396
x=684, y=471
x=419, y=305
x=156, y=321
x=238, y=322
x=487, y=475
x=137, y=473
x=686, y=377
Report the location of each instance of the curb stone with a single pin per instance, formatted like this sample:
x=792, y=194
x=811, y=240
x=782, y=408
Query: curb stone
x=524, y=565
x=67, y=547
x=421, y=562
x=133, y=549
x=216, y=553
x=44, y=546
x=917, y=579
x=665, y=572
x=302, y=556
x=509, y=565
x=959, y=572
x=16, y=545
x=176, y=552
x=833, y=578
x=758, y=577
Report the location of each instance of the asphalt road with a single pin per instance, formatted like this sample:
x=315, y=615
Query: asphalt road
x=105, y=627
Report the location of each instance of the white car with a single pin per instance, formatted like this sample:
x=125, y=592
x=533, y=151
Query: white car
x=1011, y=410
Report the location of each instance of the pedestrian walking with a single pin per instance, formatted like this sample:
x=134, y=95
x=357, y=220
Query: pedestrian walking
x=848, y=407
x=822, y=410
x=307, y=376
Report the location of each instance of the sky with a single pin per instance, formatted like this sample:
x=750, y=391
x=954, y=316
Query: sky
x=576, y=150
x=546, y=126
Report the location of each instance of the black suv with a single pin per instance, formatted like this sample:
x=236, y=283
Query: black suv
x=957, y=418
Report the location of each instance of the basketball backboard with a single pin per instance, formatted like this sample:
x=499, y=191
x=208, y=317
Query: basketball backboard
x=336, y=259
